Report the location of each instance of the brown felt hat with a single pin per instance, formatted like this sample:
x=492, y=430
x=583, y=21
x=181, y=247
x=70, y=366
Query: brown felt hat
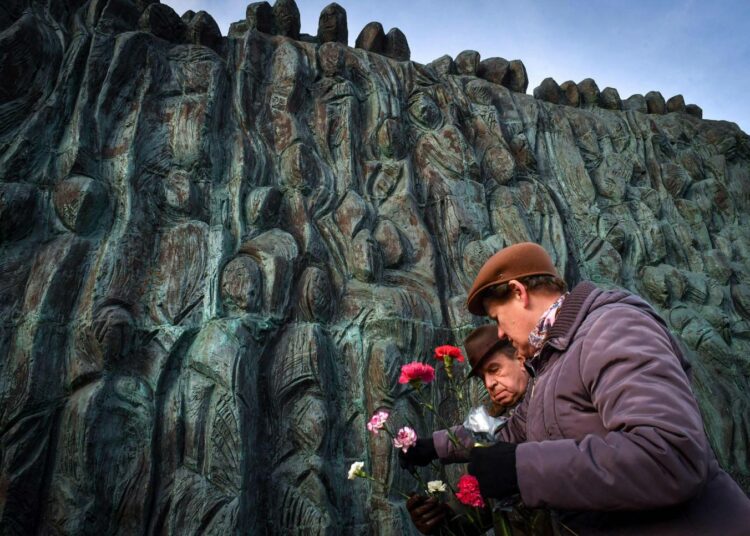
x=513, y=262
x=480, y=344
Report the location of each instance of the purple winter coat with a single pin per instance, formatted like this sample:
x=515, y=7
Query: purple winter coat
x=611, y=432
x=612, y=424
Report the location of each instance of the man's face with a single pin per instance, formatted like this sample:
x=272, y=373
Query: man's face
x=505, y=378
x=514, y=322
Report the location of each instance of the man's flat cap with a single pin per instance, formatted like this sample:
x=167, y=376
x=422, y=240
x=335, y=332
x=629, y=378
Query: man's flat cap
x=481, y=343
x=513, y=262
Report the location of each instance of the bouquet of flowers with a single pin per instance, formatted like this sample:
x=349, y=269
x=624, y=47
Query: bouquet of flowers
x=419, y=377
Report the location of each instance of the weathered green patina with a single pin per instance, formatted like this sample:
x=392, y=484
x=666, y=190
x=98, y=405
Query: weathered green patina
x=217, y=252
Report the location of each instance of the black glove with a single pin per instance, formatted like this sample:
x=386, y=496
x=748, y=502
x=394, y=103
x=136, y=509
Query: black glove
x=422, y=453
x=495, y=469
x=427, y=513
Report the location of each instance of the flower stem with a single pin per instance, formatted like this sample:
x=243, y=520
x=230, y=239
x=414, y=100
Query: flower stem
x=501, y=522
x=369, y=477
x=413, y=471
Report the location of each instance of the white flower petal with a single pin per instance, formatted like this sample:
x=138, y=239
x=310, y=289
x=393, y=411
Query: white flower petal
x=356, y=470
x=436, y=486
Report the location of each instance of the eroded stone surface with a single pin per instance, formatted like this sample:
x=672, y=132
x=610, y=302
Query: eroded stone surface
x=80, y=203
x=494, y=70
x=467, y=62
x=655, y=103
x=18, y=202
x=259, y=16
x=609, y=99
x=396, y=45
x=589, y=92
x=676, y=104
x=548, y=91
x=694, y=110
x=443, y=65
x=371, y=38
x=203, y=30
x=636, y=103
x=570, y=94
x=517, y=79
x=162, y=21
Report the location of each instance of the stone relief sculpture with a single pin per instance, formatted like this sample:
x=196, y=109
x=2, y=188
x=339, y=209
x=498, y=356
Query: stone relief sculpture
x=217, y=252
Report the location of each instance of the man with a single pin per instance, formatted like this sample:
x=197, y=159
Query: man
x=505, y=377
x=610, y=433
x=499, y=366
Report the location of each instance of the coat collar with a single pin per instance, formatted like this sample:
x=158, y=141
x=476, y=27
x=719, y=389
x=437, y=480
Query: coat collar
x=568, y=319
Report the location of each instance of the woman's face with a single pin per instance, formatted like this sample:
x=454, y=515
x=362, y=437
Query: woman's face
x=515, y=317
x=505, y=378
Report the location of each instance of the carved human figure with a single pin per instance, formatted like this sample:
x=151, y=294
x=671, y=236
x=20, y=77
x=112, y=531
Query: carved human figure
x=401, y=234
x=393, y=323
x=36, y=368
x=383, y=393
x=302, y=383
x=292, y=73
x=521, y=206
x=338, y=115
x=448, y=173
x=208, y=436
x=332, y=24
x=104, y=487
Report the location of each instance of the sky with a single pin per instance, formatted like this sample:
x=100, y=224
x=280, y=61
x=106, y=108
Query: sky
x=689, y=47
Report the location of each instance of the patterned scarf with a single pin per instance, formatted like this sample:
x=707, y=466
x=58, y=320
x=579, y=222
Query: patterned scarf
x=539, y=334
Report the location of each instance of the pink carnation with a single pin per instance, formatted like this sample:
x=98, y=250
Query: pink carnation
x=377, y=422
x=416, y=372
x=468, y=492
x=405, y=438
x=447, y=350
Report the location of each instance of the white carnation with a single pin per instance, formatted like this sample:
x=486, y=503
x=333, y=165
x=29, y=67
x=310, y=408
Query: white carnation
x=436, y=486
x=357, y=469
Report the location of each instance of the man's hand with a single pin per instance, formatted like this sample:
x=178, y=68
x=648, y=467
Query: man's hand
x=495, y=469
x=427, y=513
x=422, y=453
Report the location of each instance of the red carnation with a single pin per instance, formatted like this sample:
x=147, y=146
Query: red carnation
x=447, y=350
x=416, y=373
x=468, y=492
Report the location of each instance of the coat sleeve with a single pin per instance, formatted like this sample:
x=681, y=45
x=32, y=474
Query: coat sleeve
x=453, y=446
x=457, y=450
x=655, y=453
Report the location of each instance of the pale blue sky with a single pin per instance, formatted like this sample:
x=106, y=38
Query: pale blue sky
x=697, y=48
